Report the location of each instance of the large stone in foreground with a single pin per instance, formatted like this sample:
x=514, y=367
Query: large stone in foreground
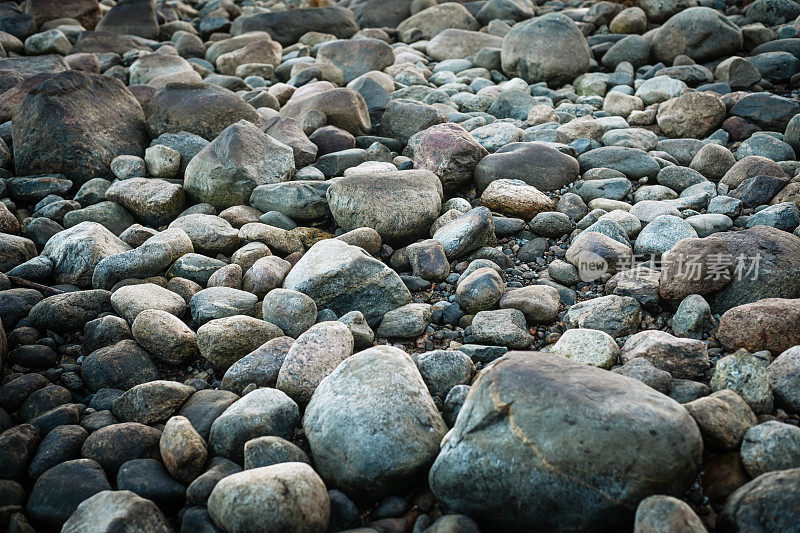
x=282, y=497
x=771, y=324
x=116, y=511
x=535, y=163
x=74, y=124
x=345, y=278
x=398, y=205
x=372, y=425
x=545, y=443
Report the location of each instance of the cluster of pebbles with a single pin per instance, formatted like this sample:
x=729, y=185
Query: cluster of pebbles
x=395, y=266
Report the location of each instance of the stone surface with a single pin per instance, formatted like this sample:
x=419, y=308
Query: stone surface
x=664, y=432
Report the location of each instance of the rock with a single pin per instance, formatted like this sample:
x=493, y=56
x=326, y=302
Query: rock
x=203, y=109
x=450, y=152
x=539, y=303
x=183, y=450
x=107, y=509
x=343, y=108
x=759, y=278
x=515, y=198
x=768, y=324
x=119, y=366
x=154, y=202
x=664, y=513
x=225, y=172
x=632, y=162
x=693, y=318
x=74, y=124
x=746, y=376
x=549, y=48
x=695, y=114
x=683, y=358
x=428, y=260
x=452, y=43
x=406, y=322
x=131, y=300
x=356, y=57
x=261, y=51
x=372, y=401
x=764, y=500
x=537, y=164
x=259, y=413
x=282, y=497
x=289, y=132
x=268, y=451
x=503, y=327
x=75, y=252
x=695, y=266
x=345, y=278
x=442, y=370
x=149, y=479
x=116, y=444
x=131, y=17
x=260, y=367
x=69, y=311
x=313, y=356
x=737, y=72
x=480, y=290
x=223, y=341
x=769, y=447
x=428, y=22
x=265, y=275
x=292, y=311
x=680, y=35
x=164, y=336
x=300, y=200
x=58, y=492
x=723, y=418
x=616, y=315
x=61, y=444
x=287, y=27
x=662, y=234
x=538, y=390
x=151, y=402
x=466, y=233
x=765, y=110
x=784, y=379
x=587, y=346
x=220, y=302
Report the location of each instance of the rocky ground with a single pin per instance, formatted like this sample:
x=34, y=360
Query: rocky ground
x=399, y=266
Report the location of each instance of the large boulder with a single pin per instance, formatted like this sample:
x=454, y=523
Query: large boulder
x=287, y=27
x=346, y=278
x=535, y=163
x=398, y=205
x=76, y=123
x=701, y=33
x=196, y=107
x=537, y=448
x=694, y=114
x=549, y=48
x=372, y=426
x=767, y=503
x=242, y=157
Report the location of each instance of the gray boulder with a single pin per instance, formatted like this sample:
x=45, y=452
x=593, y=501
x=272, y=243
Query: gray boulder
x=533, y=449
